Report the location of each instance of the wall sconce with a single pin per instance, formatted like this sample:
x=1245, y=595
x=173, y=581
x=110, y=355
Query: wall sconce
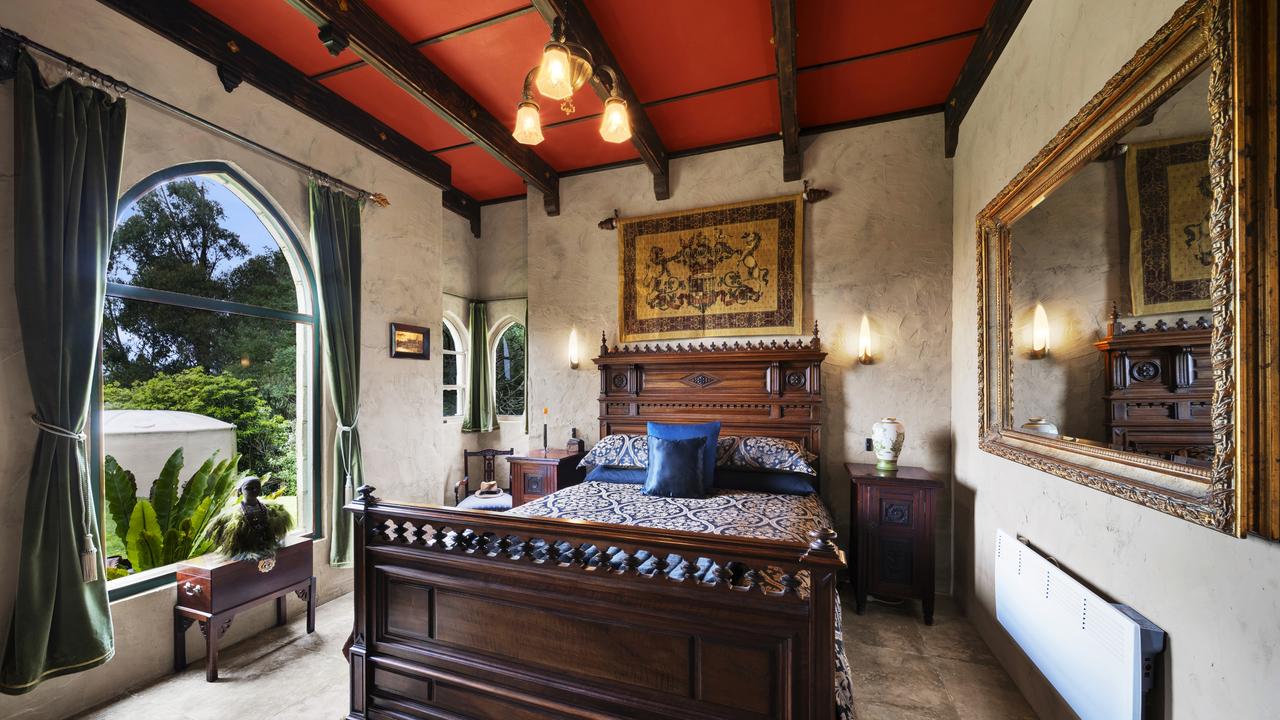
x=1040, y=333
x=864, y=342
x=573, y=348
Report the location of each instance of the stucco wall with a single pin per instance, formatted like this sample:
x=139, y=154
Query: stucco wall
x=402, y=254
x=878, y=245
x=1217, y=597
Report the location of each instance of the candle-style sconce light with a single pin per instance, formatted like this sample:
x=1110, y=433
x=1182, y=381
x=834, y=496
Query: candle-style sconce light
x=1039, y=333
x=864, y=342
x=573, y=348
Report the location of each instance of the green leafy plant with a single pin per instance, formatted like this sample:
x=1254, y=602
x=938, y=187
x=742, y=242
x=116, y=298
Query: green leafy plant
x=168, y=525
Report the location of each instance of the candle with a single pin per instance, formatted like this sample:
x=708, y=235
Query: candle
x=544, y=431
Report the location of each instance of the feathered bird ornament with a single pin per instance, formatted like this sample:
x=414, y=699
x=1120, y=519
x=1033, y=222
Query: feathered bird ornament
x=254, y=530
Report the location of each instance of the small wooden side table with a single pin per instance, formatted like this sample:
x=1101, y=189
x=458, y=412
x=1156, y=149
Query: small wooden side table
x=893, y=514
x=542, y=472
x=212, y=590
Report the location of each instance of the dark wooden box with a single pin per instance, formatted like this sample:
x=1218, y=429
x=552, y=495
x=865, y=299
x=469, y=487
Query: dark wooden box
x=214, y=584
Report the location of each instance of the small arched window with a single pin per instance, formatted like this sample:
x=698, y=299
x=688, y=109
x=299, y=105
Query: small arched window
x=508, y=367
x=455, y=371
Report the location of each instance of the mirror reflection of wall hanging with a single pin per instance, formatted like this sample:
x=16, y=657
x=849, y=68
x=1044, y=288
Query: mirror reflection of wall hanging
x=1168, y=193
x=410, y=341
x=727, y=270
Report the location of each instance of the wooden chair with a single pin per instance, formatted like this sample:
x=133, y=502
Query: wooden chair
x=476, y=501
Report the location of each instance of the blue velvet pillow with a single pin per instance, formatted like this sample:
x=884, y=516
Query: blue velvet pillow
x=782, y=483
x=675, y=467
x=621, y=475
x=676, y=431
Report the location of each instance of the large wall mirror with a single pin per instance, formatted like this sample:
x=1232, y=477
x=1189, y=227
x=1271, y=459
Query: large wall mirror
x=1108, y=286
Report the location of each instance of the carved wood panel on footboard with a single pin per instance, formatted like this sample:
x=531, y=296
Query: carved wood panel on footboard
x=470, y=614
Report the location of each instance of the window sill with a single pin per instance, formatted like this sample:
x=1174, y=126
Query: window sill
x=138, y=583
x=510, y=418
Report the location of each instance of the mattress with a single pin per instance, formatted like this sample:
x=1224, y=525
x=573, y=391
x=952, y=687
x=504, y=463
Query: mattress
x=742, y=513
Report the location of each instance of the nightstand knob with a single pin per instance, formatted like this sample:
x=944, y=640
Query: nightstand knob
x=191, y=588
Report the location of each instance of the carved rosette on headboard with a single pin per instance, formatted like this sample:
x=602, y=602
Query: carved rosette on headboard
x=771, y=388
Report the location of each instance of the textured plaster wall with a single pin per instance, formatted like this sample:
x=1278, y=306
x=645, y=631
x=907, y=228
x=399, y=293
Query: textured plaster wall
x=878, y=245
x=402, y=244
x=1217, y=597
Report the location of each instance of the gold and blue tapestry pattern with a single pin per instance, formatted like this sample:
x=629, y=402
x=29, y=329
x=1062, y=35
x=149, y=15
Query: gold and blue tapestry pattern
x=727, y=270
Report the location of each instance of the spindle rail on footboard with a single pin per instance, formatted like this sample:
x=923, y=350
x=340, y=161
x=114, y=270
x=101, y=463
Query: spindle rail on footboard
x=472, y=614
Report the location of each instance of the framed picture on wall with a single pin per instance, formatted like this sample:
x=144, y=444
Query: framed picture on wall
x=410, y=341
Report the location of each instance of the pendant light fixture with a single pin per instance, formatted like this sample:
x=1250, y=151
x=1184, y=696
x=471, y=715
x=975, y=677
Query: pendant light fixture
x=564, y=69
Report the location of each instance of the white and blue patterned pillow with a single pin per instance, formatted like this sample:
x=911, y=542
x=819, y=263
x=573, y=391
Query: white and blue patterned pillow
x=630, y=451
x=764, y=453
x=751, y=452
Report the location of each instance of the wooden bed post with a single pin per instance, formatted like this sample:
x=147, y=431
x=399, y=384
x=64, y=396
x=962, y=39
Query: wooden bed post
x=357, y=651
x=824, y=559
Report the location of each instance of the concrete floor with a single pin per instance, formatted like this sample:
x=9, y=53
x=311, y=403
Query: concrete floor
x=902, y=670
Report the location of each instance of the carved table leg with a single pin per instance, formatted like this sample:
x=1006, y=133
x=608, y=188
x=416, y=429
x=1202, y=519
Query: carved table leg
x=282, y=614
x=311, y=605
x=180, y=625
x=928, y=609
x=213, y=630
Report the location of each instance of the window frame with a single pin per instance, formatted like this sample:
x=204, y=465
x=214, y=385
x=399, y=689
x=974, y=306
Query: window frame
x=495, y=337
x=460, y=340
x=300, y=265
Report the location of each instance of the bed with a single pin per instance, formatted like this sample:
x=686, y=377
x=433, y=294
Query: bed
x=599, y=602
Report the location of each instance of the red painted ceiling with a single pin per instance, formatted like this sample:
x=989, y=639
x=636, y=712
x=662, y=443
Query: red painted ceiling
x=858, y=59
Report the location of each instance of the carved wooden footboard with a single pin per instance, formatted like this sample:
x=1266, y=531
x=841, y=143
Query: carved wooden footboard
x=470, y=614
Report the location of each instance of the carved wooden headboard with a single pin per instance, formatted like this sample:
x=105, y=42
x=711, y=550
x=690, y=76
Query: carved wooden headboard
x=767, y=388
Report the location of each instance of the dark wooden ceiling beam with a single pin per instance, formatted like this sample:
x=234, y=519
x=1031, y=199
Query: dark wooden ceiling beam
x=379, y=45
x=1001, y=22
x=784, y=46
x=464, y=205
x=235, y=55
x=581, y=28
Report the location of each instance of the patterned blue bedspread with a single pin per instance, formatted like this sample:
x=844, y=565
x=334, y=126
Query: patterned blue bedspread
x=742, y=513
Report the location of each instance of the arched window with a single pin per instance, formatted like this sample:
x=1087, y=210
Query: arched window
x=508, y=370
x=209, y=352
x=455, y=371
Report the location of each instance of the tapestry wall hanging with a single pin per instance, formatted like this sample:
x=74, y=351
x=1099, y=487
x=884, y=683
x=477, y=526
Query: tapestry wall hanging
x=1168, y=194
x=727, y=270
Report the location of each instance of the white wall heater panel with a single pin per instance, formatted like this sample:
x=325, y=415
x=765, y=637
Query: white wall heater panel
x=1097, y=655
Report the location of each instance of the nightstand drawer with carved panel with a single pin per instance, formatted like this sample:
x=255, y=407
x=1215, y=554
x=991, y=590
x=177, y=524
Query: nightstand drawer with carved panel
x=542, y=473
x=893, y=516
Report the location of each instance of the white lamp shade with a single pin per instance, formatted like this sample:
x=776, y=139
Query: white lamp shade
x=615, y=124
x=573, y=347
x=528, y=124
x=1040, y=331
x=864, y=340
x=555, y=74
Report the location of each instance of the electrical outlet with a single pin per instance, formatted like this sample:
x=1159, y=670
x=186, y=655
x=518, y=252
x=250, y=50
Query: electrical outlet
x=868, y=444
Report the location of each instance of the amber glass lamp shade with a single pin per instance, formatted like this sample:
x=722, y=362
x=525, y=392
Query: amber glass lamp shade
x=528, y=124
x=615, y=125
x=555, y=75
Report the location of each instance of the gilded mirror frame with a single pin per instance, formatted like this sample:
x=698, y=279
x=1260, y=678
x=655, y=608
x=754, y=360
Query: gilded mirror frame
x=1199, y=33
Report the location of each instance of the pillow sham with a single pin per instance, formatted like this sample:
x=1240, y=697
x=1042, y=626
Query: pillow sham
x=770, y=481
x=620, y=475
x=680, y=431
x=675, y=467
x=765, y=453
x=618, y=451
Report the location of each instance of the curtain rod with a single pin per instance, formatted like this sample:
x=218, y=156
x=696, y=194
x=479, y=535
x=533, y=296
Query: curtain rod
x=501, y=299
x=97, y=77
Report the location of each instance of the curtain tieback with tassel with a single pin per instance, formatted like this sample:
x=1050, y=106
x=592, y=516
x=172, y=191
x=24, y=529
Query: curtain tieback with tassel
x=88, y=551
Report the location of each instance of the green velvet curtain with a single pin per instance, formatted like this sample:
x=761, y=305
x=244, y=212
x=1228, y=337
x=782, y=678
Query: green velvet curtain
x=480, y=416
x=68, y=141
x=335, y=230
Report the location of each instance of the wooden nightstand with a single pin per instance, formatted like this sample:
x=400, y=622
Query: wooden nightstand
x=542, y=472
x=893, y=517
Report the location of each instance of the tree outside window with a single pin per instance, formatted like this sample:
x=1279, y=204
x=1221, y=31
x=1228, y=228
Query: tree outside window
x=508, y=360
